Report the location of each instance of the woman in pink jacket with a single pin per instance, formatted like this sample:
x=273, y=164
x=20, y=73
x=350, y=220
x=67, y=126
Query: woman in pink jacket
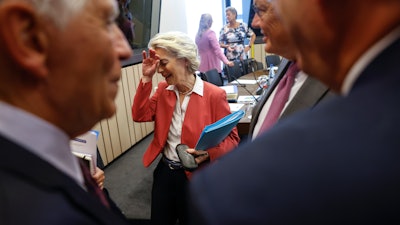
x=181, y=107
x=210, y=52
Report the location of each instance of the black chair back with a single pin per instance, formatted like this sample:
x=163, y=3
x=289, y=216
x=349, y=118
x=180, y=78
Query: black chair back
x=251, y=65
x=214, y=77
x=275, y=60
x=201, y=75
x=233, y=72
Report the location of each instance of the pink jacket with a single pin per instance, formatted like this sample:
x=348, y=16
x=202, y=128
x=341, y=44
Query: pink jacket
x=210, y=52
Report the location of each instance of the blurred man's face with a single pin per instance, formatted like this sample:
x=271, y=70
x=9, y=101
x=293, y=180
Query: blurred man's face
x=276, y=39
x=85, y=66
x=291, y=14
x=306, y=23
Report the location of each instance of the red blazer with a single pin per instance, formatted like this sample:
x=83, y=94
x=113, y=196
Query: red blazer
x=201, y=111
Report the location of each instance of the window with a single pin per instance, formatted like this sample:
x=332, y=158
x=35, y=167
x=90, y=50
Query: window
x=138, y=20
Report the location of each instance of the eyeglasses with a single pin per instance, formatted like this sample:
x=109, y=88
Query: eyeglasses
x=259, y=12
x=256, y=10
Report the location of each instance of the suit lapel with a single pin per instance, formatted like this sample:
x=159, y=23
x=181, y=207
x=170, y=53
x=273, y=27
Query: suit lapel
x=309, y=95
x=283, y=66
x=32, y=169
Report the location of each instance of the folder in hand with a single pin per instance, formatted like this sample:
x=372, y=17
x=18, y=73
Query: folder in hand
x=214, y=133
x=85, y=147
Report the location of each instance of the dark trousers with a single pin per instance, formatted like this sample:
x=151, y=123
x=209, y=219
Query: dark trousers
x=168, y=202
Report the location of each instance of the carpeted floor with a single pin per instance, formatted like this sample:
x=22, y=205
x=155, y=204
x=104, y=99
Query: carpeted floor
x=129, y=183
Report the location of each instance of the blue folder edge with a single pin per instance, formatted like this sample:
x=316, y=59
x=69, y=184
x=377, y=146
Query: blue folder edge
x=214, y=133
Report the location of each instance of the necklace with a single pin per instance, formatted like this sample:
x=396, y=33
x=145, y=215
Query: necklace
x=190, y=89
x=185, y=92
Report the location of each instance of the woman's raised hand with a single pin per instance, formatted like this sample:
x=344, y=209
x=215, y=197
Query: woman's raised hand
x=150, y=63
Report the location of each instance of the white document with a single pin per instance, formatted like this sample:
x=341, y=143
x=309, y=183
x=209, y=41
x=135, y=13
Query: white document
x=235, y=106
x=244, y=81
x=247, y=98
x=230, y=89
x=274, y=67
x=85, y=146
x=231, y=92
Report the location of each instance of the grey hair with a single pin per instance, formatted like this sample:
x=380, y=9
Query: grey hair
x=204, y=24
x=232, y=10
x=57, y=11
x=178, y=45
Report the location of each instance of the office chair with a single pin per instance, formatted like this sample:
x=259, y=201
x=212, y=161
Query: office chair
x=275, y=60
x=260, y=66
x=214, y=77
x=251, y=65
x=248, y=66
x=201, y=75
x=233, y=72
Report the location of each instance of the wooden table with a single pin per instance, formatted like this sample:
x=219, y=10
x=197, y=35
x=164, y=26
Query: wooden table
x=244, y=124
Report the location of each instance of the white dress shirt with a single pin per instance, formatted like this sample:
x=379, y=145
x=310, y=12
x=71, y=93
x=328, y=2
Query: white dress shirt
x=366, y=59
x=40, y=138
x=175, y=129
x=298, y=82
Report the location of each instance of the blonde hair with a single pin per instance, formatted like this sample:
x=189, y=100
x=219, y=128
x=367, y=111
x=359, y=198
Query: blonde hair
x=204, y=24
x=178, y=45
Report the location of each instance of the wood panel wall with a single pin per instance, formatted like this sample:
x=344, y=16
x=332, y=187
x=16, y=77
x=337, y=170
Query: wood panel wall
x=119, y=133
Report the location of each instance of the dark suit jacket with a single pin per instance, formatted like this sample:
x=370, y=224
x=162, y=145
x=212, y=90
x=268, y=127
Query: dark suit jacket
x=34, y=192
x=309, y=95
x=336, y=164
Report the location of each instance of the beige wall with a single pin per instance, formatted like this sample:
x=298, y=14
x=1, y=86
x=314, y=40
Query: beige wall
x=119, y=133
x=259, y=53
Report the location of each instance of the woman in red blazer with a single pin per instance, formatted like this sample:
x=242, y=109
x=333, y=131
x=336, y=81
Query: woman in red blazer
x=181, y=107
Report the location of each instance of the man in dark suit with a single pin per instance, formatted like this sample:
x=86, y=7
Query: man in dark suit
x=338, y=163
x=305, y=93
x=60, y=67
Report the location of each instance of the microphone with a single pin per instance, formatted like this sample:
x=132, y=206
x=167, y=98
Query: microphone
x=242, y=85
x=254, y=67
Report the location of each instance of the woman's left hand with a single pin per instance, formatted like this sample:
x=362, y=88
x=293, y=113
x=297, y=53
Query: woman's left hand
x=200, y=155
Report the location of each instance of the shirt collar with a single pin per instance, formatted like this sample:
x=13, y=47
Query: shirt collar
x=41, y=138
x=366, y=58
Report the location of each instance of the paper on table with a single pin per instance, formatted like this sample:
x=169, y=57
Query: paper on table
x=243, y=81
x=231, y=92
x=229, y=89
x=247, y=98
x=274, y=67
x=214, y=133
x=235, y=106
x=86, y=146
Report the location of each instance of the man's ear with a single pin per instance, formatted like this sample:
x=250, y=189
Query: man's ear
x=23, y=37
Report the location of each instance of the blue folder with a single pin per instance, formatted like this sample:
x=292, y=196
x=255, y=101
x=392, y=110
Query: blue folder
x=214, y=133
